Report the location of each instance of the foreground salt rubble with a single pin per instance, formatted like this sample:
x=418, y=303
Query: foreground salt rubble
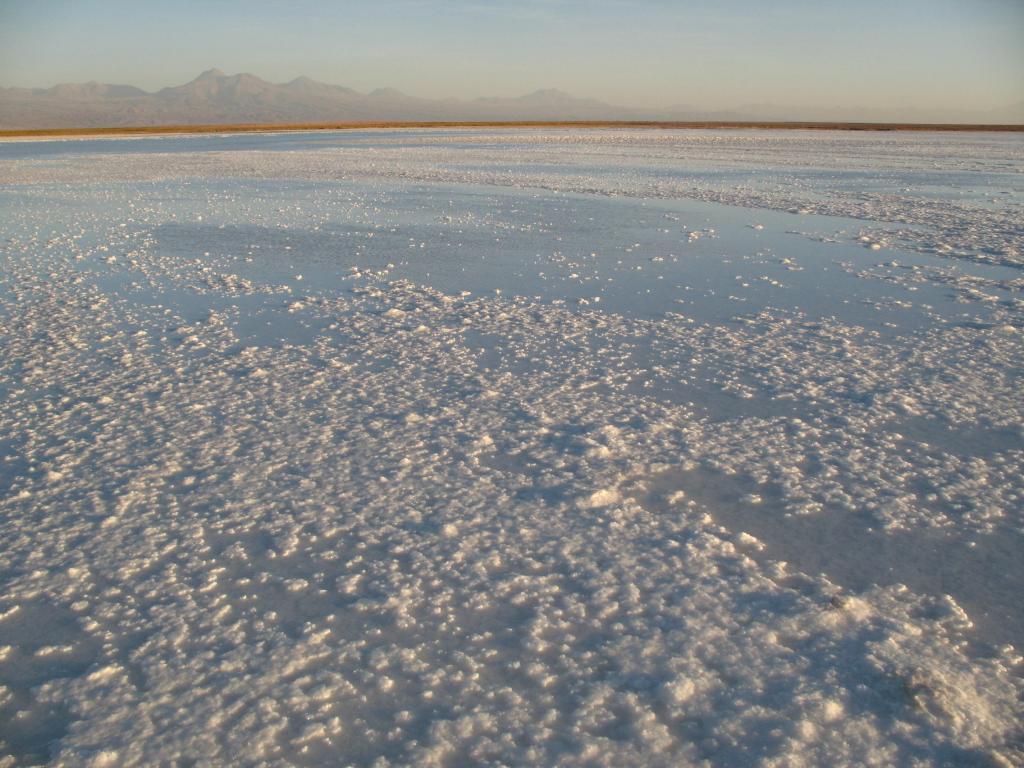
x=407, y=525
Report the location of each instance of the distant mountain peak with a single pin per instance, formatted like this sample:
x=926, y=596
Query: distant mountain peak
x=549, y=94
x=547, y=98
x=93, y=90
x=215, y=97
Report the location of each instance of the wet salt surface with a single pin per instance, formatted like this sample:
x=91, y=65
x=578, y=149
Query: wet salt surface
x=485, y=447
x=705, y=261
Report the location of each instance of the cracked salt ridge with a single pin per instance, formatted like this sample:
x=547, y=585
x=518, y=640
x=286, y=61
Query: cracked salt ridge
x=982, y=571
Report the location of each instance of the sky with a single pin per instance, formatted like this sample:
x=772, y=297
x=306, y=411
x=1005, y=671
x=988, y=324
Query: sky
x=920, y=54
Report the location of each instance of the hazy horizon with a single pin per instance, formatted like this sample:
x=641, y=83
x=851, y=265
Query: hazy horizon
x=915, y=55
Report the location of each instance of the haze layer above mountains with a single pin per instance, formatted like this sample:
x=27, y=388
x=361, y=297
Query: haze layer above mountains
x=215, y=97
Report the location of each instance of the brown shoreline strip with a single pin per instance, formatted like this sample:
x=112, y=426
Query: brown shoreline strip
x=643, y=124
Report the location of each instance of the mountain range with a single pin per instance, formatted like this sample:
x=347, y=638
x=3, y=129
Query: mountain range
x=217, y=98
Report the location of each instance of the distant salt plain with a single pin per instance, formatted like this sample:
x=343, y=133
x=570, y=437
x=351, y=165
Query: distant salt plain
x=484, y=447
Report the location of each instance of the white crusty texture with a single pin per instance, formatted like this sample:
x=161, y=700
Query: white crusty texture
x=406, y=525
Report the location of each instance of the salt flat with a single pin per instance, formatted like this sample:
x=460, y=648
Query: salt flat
x=483, y=447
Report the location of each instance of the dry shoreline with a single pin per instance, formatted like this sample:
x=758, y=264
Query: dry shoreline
x=47, y=133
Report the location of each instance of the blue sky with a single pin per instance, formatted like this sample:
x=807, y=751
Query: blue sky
x=955, y=54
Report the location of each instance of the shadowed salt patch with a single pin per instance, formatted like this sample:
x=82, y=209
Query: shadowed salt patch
x=976, y=440
x=39, y=642
x=981, y=571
